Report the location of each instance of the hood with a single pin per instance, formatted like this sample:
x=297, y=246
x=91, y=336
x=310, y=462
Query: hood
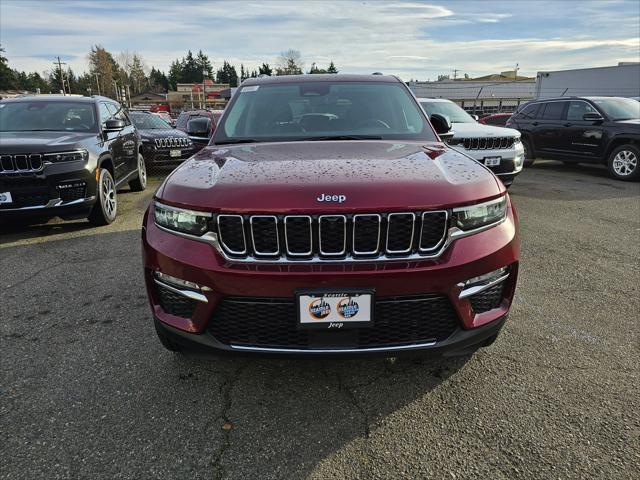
x=154, y=133
x=43, y=142
x=479, y=130
x=291, y=177
x=634, y=123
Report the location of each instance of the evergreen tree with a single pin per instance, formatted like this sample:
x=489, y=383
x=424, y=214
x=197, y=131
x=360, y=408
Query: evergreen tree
x=7, y=78
x=227, y=74
x=332, y=68
x=102, y=63
x=316, y=70
x=137, y=77
x=175, y=74
x=158, y=81
x=204, y=66
x=265, y=69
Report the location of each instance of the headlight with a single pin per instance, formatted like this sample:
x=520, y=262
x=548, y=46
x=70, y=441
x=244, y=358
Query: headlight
x=476, y=216
x=181, y=220
x=60, y=157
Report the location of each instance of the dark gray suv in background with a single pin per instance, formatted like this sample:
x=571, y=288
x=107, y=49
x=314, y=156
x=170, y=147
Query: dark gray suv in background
x=66, y=156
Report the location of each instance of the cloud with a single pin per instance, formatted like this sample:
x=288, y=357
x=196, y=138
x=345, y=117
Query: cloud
x=409, y=38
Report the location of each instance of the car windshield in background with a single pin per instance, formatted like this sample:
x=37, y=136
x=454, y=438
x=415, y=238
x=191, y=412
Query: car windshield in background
x=450, y=110
x=619, y=108
x=145, y=121
x=323, y=111
x=47, y=116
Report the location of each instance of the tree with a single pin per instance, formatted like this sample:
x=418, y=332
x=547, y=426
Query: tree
x=204, y=66
x=158, y=81
x=7, y=77
x=290, y=63
x=227, y=74
x=102, y=64
x=332, y=68
x=137, y=76
x=191, y=72
x=315, y=70
x=265, y=69
x=175, y=74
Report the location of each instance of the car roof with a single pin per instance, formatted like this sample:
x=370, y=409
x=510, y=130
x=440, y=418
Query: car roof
x=324, y=77
x=59, y=98
x=434, y=100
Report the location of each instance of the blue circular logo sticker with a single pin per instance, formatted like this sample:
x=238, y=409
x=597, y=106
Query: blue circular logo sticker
x=319, y=309
x=348, y=308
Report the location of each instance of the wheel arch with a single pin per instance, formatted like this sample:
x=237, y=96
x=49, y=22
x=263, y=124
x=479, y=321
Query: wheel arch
x=106, y=162
x=617, y=142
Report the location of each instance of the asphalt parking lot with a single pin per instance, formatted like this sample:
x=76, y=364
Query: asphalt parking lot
x=88, y=392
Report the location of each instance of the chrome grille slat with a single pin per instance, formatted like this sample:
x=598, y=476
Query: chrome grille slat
x=171, y=142
x=312, y=238
x=488, y=143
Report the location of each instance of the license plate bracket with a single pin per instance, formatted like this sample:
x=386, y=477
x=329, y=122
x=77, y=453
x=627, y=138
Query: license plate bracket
x=334, y=309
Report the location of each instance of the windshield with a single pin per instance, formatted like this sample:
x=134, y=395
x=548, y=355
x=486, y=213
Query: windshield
x=323, y=110
x=618, y=108
x=449, y=109
x=145, y=121
x=34, y=116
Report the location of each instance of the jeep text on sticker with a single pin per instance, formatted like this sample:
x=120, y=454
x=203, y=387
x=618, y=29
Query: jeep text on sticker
x=331, y=198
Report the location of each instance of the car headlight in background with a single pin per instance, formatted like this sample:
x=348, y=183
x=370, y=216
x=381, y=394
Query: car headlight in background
x=181, y=220
x=60, y=157
x=476, y=216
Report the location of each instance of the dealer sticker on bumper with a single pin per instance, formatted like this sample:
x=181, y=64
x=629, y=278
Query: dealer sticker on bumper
x=334, y=310
x=5, y=197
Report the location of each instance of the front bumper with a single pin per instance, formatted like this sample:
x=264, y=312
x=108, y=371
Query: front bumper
x=67, y=190
x=511, y=160
x=402, y=281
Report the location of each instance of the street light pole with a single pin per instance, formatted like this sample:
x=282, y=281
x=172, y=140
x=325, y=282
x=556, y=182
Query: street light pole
x=97, y=82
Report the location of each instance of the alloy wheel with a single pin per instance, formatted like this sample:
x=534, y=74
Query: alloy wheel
x=625, y=163
x=142, y=171
x=109, y=196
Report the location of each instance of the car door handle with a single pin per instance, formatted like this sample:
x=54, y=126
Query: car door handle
x=535, y=124
x=566, y=124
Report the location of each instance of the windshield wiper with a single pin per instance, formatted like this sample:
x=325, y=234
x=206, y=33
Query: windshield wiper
x=343, y=137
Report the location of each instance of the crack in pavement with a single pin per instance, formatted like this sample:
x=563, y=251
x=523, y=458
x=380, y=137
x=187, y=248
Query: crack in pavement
x=350, y=394
x=226, y=388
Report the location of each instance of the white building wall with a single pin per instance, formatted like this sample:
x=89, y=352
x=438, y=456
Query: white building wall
x=620, y=81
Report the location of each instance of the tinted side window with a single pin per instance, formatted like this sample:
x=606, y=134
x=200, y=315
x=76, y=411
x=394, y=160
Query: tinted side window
x=577, y=110
x=553, y=110
x=105, y=113
x=181, y=122
x=118, y=113
x=529, y=112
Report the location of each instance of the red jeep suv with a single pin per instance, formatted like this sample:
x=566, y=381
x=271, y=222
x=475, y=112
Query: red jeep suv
x=327, y=217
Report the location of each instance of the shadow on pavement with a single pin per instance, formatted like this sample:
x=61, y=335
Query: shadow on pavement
x=555, y=181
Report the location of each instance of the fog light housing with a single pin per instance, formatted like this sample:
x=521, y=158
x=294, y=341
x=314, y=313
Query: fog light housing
x=482, y=282
x=519, y=160
x=182, y=287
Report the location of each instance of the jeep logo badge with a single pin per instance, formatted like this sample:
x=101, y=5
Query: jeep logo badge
x=331, y=198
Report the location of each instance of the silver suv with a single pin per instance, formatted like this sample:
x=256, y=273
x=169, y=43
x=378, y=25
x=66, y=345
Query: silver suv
x=500, y=149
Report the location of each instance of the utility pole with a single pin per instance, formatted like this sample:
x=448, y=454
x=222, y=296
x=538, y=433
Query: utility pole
x=515, y=74
x=455, y=73
x=97, y=82
x=115, y=87
x=64, y=92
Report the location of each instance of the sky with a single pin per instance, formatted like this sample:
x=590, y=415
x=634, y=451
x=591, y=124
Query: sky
x=412, y=39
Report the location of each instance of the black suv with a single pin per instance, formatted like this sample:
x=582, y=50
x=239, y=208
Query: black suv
x=161, y=143
x=66, y=156
x=582, y=130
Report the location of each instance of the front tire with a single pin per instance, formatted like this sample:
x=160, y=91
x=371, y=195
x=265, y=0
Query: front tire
x=624, y=162
x=105, y=209
x=529, y=157
x=140, y=183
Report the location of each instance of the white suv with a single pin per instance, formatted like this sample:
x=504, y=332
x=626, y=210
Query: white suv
x=500, y=149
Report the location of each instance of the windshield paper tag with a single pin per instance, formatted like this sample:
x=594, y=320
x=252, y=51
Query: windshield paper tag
x=251, y=88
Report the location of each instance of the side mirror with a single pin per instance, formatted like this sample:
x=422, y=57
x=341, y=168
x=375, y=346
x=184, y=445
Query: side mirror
x=441, y=124
x=476, y=117
x=199, y=127
x=592, y=117
x=113, y=125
